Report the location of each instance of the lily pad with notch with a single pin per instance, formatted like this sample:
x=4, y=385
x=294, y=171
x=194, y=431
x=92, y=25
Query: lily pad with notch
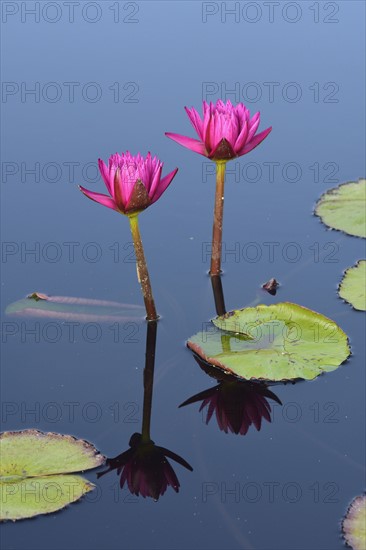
x=279, y=342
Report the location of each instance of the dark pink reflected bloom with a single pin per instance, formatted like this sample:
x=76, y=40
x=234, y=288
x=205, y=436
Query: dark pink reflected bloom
x=237, y=404
x=145, y=468
x=225, y=132
x=133, y=183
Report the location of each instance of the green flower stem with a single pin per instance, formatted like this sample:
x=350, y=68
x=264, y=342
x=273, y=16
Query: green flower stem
x=142, y=272
x=148, y=380
x=218, y=218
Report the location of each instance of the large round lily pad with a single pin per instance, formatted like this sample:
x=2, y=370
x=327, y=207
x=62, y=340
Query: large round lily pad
x=33, y=468
x=353, y=286
x=344, y=208
x=354, y=524
x=279, y=342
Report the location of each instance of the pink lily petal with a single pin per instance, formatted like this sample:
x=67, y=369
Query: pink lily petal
x=112, y=173
x=254, y=142
x=242, y=137
x=155, y=182
x=206, y=119
x=231, y=129
x=105, y=175
x=196, y=121
x=118, y=191
x=129, y=176
x=241, y=112
x=253, y=126
x=149, y=174
x=214, y=132
x=190, y=143
x=100, y=198
x=164, y=183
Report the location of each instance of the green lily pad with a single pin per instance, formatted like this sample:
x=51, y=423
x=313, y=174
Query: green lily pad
x=279, y=342
x=34, y=468
x=344, y=208
x=354, y=524
x=73, y=308
x=43, y=495
x=353, y=286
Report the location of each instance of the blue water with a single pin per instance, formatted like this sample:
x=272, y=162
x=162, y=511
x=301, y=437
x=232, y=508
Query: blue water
x=113, y=76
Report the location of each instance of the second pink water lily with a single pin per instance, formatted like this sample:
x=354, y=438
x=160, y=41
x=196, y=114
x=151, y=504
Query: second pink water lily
x=133, y=182
x=225, y=131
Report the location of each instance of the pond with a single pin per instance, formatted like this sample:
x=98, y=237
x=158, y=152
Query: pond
x=88, y=80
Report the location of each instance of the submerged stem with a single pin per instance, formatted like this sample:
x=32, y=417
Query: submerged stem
x=218, y=294
x=218, y=218
x=142, y=272
x=148, y=380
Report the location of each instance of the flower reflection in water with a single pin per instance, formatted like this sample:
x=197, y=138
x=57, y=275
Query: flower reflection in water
x=238, y=404
x=145, y=466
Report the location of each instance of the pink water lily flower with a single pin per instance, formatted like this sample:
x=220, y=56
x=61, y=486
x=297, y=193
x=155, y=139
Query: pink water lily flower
x=224, y=133
x=133, y=182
